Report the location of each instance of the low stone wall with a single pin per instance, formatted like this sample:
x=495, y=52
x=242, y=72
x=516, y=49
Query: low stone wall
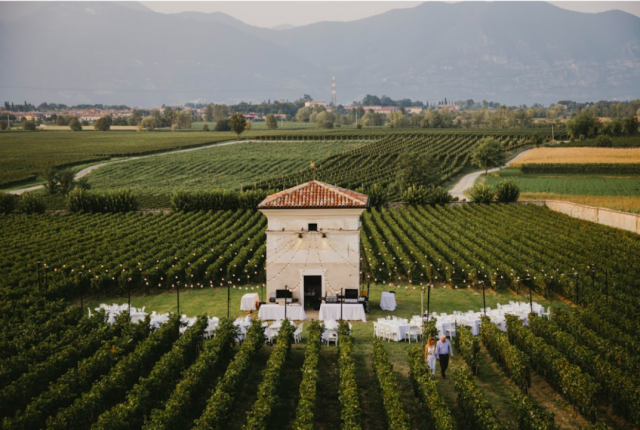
x=608, y=217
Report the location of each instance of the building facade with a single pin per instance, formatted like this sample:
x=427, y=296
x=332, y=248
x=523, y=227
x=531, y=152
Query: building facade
x=313, y=241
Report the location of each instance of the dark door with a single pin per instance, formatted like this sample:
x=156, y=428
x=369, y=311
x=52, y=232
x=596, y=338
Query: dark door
x=312, y=291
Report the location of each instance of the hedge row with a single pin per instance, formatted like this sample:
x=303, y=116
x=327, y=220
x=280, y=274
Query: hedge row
x=477, y=412
x=348, y=390
x=397, y=418
x=113, y=387
x=425, y=387
x=190, y=395
x=469, y=346
x=305, y=411
x=514, y=362
x=81, y=200
x=185, y=201
x=584, y=168
x=151, y=392
x=220, y=404
x=569, y=380
x=258, y=416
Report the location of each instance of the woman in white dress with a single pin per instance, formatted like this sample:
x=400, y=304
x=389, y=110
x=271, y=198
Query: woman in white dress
x=430, y=354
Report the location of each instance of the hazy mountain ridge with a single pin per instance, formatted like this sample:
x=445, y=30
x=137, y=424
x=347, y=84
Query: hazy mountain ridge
x=510, y=52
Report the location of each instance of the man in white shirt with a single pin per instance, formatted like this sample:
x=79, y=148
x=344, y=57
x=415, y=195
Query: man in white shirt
x=443, y=352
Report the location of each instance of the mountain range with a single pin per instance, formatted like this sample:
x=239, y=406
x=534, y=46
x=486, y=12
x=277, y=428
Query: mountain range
x=125, y=53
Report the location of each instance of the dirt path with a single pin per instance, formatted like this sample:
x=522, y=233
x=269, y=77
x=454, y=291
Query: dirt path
x=87, y=170
x=467, y=181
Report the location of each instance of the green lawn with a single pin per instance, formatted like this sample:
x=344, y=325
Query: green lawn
x=240, y=165
x=213, y=302
x=595, y=185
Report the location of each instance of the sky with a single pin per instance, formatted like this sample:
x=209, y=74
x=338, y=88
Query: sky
x=272, y=13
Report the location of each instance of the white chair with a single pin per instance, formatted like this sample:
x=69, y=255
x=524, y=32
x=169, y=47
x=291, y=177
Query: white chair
x=383, y=328
x=331, y=336
x=390, y=333
x=375, y=329
x=451, y=330
x=419, y=331
x=242, y=333
x=90, y=314
x=411, y=333
x=273, y=333
x=297, y=335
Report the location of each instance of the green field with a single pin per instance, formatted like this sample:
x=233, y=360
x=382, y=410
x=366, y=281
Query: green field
x=230, y=167
x=25, y=153
x=597, y=185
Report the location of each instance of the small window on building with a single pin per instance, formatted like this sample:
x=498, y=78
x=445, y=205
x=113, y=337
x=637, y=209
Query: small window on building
x=313, y=227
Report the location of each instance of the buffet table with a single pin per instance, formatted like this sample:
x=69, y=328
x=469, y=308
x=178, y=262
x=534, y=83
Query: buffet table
x=350, y=312
x=249, y=302
x=276, y=312
x=388, y=301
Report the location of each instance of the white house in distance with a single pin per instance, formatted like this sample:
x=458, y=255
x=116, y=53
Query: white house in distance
x=313, y=241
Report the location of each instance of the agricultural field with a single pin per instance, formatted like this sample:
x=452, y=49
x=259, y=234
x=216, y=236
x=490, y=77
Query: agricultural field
x=596, y=185
x=579, y=156
x=236, y=166
x=24, y=154
x=63, y=370
x=603, y=177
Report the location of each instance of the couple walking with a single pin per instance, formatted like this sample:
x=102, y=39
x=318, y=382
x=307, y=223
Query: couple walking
x=440, y=351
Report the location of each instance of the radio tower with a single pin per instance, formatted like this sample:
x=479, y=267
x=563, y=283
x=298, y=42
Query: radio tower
x=333, y=91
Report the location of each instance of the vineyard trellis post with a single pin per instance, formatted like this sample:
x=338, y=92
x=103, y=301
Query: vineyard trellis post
x=428, y=300
x=129, y=298
x=530, y=294
x=46, y=283
x=229, y=300
x=484, y=300
x=38, y=263
x=178, y=296
x=286, y=289
x=81, y=292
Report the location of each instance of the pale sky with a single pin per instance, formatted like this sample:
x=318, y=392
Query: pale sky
x=271, y=13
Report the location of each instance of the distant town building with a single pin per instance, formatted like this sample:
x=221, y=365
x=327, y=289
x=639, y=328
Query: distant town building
x=413, y=109
x=312, y=103
x=380, y=109
x=251, y=116
x=450, y=107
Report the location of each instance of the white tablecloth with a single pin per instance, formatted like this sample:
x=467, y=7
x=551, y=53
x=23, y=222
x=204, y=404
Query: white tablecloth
x=388, y=301
x=350, y=312
x=248, y=302
x=276, y=312
x=399, y=328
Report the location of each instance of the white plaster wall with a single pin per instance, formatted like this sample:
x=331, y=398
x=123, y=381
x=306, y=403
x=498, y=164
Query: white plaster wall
x=335, y=257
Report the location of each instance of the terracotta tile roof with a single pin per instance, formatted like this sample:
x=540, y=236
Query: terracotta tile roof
x=315, y=194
